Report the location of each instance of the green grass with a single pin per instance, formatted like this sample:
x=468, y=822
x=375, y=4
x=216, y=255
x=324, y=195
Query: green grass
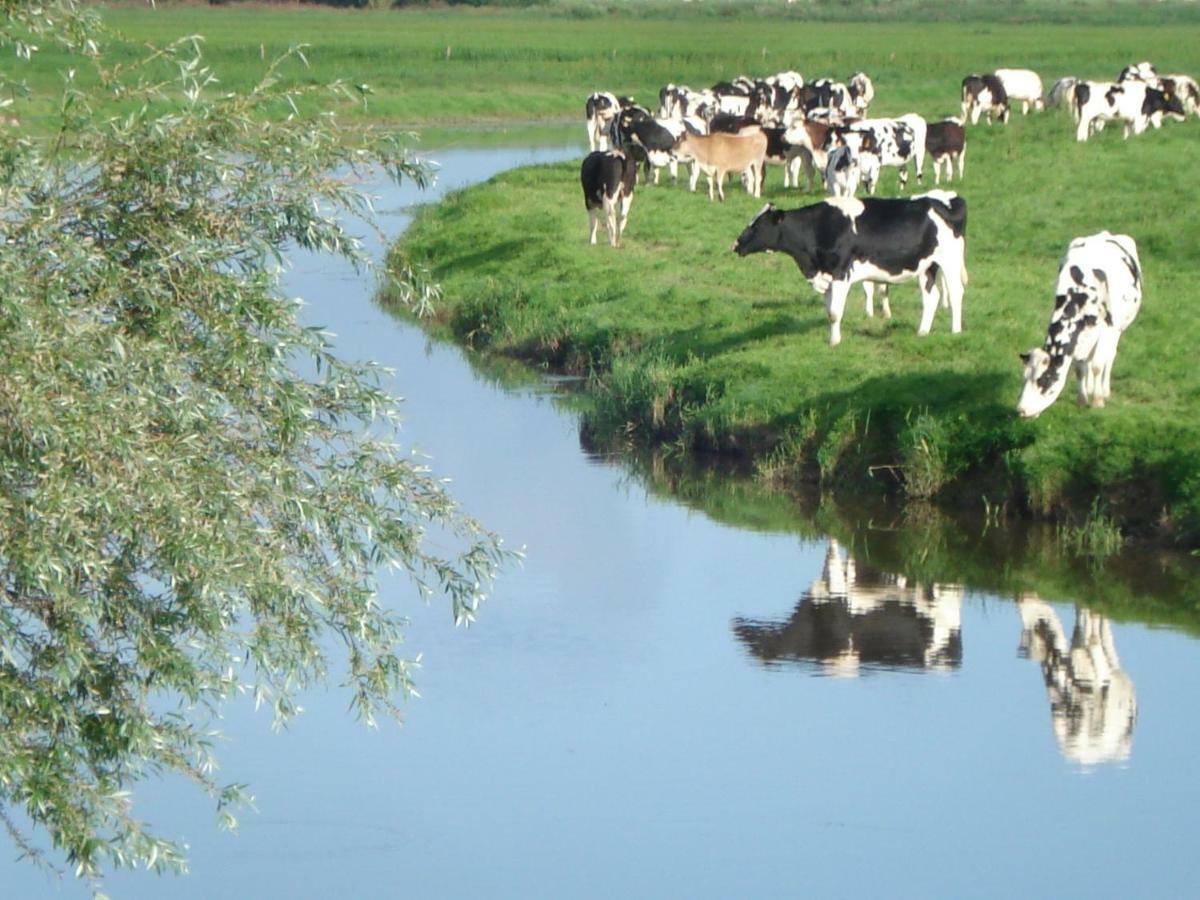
x=447, y=71
x=690, y=346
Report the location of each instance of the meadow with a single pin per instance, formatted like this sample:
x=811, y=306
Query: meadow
x=690, y=348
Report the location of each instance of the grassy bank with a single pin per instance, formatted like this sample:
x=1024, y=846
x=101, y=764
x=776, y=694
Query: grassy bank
x=688, y=346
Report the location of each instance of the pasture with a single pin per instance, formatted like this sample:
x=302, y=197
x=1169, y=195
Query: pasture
x=690, y=346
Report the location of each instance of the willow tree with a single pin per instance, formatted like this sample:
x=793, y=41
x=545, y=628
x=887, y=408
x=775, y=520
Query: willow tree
x=196, y=493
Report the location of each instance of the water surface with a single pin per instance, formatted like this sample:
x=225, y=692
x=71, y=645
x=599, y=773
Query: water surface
x=657, y=704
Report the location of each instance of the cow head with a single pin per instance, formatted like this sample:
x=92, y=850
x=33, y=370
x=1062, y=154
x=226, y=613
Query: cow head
x=1045, y=376
x=761, y=234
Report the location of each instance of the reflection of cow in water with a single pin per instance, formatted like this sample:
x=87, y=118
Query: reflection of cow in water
x=853, y=616
x=1092, y=703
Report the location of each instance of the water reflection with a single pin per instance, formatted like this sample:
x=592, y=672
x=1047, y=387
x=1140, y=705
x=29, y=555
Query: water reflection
x=854, y=616
x=1092, y=703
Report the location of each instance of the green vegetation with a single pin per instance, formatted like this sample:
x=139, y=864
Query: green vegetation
x=196, y=493
x=687, y=345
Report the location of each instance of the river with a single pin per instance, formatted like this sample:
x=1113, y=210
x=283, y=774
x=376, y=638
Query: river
x=657, y=704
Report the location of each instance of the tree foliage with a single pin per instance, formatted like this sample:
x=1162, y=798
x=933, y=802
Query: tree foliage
x=196, y=493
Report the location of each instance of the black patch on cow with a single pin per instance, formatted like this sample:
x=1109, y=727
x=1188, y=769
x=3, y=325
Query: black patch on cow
x=1100, y=276
x=606, y=173
x=1112, y=93
x=728, y=123
x=931, y=276
x=1077, y=275
x=1130, y=262
x=1083, y=93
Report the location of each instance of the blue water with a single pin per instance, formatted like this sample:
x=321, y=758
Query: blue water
x=657, y=705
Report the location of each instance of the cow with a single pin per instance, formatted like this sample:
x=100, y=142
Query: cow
x=1024, y=85
x=647, y=140
x=735, y=97
x=1182, y=86
x=862, y=92
x=897, y=141
x=946, y=141
x=824, y=93
x=601, y=108
x=843, y=241
x=1133, y=103
x=1062, y=93
x=815, y=140
x=984, y=94
x=681, y=102
x=1097, y=296
x=848, y=165
x=608, y=178
x=782, y=152
x=717, y=154
x=1143, y=71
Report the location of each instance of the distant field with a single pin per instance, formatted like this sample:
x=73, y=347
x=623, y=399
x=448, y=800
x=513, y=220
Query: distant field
x=460, y=72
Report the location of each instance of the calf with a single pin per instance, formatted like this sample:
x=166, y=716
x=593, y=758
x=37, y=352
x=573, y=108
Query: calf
x=1134, y=103
x=717, y=154
x=844, y=241
x=984, y=94
x=608, y=178
x=946, y=141
x=1024, y=85
x=1098, y=295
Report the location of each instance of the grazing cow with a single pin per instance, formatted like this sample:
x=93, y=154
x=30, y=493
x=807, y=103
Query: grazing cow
x=1098, y=295
x=896, y=141
x=1024, y=85
x=983, y=94
x=843, y=241
x=862, y=92
x=1062, y=93
x=608, y=178
x=946, y=141
x=1133, y=103
x=1185, y=88
x=717, y=154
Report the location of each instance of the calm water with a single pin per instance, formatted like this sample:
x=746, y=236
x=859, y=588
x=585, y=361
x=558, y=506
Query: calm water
x=657, y=705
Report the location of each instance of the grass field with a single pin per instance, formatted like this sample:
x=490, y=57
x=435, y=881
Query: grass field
x=690, y=346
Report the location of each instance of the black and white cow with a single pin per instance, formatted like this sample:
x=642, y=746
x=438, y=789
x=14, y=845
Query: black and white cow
x=601, y=108
x=824, y=93
x=1182, y=86
x=736, y=96
x=608, y=178
x=1098, y=295
x=815, y=140
x=984, y=94
x=1133, y=103
x=647, y=140
x=851, y=164
x=843, y=241
x=681, y=102
x=897, y=142
x=946, y=141
x=862, y=92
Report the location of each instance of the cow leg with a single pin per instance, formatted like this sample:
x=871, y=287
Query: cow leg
x=674, y=169
x=937, y=170
x=1083, y=129
x=903, y=170
x=962, y=161
x=808, y=172
x=835, y=306
x=593, y=223
x=885, y=305
x=720, y=186
x=611, y=220
x=693, y=176
x=626, y=202
x=869, y=291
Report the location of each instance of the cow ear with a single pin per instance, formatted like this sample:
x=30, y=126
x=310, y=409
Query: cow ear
x=1025, y=356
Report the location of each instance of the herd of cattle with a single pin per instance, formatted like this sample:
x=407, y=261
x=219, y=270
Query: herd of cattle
x=743, y=125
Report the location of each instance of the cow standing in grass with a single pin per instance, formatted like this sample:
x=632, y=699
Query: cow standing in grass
x=608, y=178
x=1098, y=295
x=845, y=241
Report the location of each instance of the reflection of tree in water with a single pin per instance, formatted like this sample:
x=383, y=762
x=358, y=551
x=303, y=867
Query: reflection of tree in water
x=854, y=616
x=1092, y=703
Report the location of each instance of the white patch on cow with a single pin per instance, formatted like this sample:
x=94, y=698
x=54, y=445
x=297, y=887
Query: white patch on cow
x=851, y=206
